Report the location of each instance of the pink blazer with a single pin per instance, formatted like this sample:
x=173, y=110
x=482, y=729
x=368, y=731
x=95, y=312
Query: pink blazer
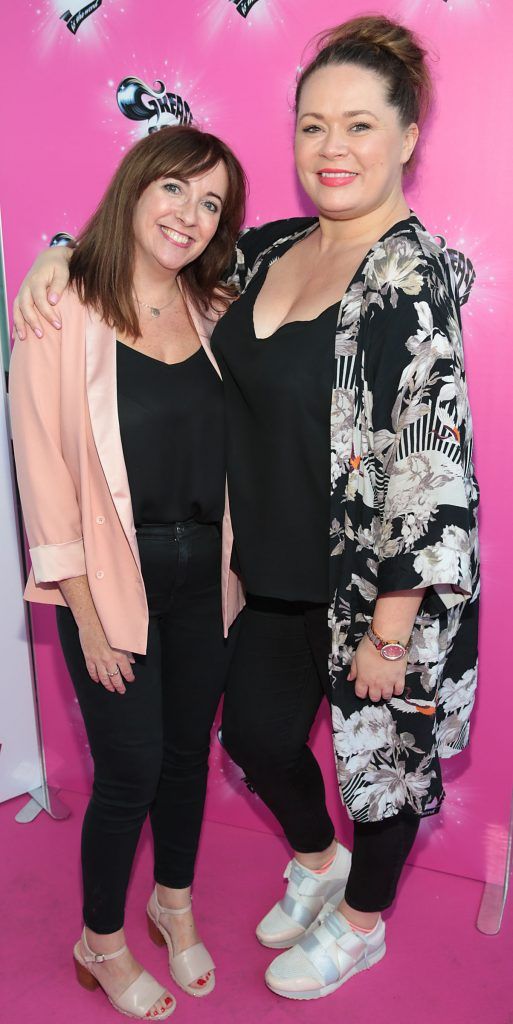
x=72, y=474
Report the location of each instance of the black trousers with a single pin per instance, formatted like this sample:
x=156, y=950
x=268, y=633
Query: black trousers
x=277, y=679
x=150, y=746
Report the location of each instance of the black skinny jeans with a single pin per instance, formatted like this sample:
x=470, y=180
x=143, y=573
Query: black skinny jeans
x=150, y=746
x=277, y=679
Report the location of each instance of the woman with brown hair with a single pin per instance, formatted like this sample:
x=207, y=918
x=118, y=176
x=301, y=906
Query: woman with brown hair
x=343, y=359
x=118, y=427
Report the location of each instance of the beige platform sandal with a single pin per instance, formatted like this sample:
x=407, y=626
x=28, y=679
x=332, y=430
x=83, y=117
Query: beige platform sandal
x=140, y=995
x=191, y=964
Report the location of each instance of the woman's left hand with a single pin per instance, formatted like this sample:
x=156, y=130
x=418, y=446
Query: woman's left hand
x=374, y=676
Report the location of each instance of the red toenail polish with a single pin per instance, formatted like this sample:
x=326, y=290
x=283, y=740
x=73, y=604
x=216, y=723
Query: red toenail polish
x=167, y=1000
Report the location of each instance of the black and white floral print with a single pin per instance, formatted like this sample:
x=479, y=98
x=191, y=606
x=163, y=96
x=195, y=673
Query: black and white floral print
x=403, y=508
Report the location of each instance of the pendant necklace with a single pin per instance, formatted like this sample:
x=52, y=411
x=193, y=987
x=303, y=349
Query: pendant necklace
x=156, y=310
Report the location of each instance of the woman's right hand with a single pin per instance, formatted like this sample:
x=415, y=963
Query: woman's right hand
x=105, y=664
x=40, y=292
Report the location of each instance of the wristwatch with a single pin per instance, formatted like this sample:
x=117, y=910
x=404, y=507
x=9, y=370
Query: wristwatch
x=391, y=650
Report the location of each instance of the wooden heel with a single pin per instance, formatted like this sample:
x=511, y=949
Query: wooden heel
x=84, y=977
x=154, y=933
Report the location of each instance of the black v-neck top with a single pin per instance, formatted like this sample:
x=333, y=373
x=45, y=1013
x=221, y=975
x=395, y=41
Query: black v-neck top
x=278, y=401
x=171, y=419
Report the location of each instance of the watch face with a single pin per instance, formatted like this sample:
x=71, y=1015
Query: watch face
x=393, y=652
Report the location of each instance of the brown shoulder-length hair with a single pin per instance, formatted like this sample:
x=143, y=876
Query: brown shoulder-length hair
x=101, y=266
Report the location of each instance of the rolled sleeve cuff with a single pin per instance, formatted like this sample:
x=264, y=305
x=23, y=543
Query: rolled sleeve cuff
x=398, y=574
x=451, y=595
x=54, y=562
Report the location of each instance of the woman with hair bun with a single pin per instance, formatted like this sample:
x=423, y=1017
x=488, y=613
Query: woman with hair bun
x=349, y=325
x=343, y=358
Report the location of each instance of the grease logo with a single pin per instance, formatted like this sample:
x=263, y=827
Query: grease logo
x=141, y=102
x=244, y=6
x=61, y=238
x=74, y=18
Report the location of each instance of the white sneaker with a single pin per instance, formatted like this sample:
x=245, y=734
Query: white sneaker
x=323, y=960
x=306, y=895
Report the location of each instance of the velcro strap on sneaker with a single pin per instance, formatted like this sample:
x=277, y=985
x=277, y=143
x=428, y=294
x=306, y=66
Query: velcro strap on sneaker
x=295, y=873
x=333, y=949
x=347, y=941
x=321, y=960
x=306, y=884
x=297, y=911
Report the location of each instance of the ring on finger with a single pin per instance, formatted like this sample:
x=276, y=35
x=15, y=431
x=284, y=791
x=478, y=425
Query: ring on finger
x=115, y=673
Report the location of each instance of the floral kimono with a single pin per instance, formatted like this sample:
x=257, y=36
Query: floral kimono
x=403, y=508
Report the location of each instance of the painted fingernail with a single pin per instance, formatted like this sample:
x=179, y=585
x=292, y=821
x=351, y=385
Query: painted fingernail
x=53, y=297
x=57, y=324
x=38, y=332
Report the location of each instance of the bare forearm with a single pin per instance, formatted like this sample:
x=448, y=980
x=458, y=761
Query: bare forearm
x=78, y=596
x=394, y=614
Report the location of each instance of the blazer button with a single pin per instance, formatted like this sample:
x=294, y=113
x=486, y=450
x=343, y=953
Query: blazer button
x=100, y=520
x=100, y=574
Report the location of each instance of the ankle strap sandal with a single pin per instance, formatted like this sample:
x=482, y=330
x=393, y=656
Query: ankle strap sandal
x=140, y=995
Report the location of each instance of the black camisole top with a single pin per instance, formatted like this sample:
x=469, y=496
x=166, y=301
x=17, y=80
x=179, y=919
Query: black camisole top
x=278, y=400
x=171, y=419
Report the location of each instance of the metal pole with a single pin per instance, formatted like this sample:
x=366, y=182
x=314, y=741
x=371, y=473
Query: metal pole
x=45, y=797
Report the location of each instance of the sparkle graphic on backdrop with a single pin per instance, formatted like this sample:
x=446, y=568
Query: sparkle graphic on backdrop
x=222, y=16
x=75, y=18
x=77, y=23
x=410, y=8
x=156, y=106
x=244, y=6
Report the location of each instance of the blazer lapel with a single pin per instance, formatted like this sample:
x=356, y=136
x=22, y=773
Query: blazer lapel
x=202, y=326
x=101, y=387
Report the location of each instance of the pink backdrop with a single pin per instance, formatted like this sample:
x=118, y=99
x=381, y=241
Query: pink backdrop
x=66, y=133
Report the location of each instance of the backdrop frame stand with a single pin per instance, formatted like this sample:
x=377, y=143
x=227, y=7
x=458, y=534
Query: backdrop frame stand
x=45, y=797
x=493, y=900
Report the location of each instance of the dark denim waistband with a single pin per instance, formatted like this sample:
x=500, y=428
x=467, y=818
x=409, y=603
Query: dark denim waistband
x=279, y=606
x=174, y=530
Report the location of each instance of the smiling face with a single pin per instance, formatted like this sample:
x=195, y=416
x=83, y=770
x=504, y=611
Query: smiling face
x=350, y=145
x=175, y=220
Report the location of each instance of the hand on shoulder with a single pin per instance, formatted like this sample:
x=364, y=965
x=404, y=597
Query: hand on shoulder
x=40, y=292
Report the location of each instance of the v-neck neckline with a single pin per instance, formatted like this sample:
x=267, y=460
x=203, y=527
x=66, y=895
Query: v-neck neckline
x=160, y=362
x=288, y=244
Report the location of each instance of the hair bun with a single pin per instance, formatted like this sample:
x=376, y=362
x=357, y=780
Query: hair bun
x=383, y=33
x=385, y=47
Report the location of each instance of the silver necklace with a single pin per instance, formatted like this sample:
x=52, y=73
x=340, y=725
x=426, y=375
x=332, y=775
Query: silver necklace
x=156, y=310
